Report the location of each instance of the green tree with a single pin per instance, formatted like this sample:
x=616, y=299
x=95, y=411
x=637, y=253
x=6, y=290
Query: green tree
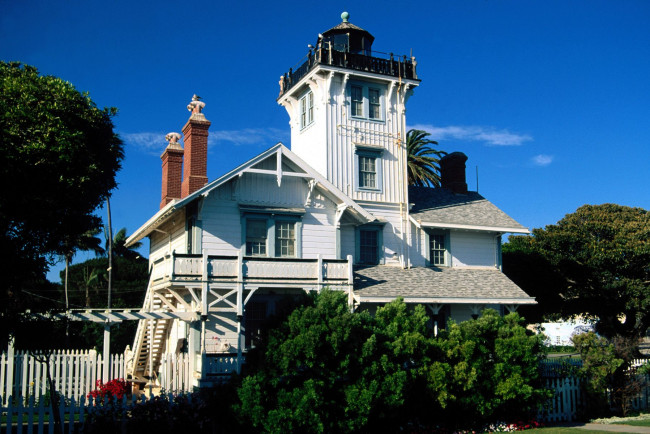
x=87, y=241
x=495, y=374
x=599, y=257
x=88, y=288
x=326, y=369
x=423, y=160
x=119, y=245
x=60, y=160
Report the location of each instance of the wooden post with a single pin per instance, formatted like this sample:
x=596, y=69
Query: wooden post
x=106, y=354
x=320, y=272
x=10, y=367
x=204, y=285
x=350, y=284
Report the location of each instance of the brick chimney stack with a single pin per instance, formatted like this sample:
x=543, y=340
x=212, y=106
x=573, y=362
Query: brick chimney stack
x=195, y=165
x=172, y=169
x=452, y=172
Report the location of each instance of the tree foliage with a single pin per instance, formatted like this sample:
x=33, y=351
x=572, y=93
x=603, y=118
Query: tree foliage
x=595, y=262
x=326, y=369
x=60, y=160
x=423, y=159
x=495, y=368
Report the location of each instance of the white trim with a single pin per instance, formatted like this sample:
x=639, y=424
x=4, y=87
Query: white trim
x=329, y=189
x=445, y=300
x=421, y=224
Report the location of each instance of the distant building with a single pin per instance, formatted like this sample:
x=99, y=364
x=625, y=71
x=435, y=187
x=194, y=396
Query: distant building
x=335, y=211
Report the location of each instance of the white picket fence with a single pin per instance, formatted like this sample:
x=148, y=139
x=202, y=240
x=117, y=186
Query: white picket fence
x=75, y=373
x=569, y=399
x=38, y=416
x=564, y=405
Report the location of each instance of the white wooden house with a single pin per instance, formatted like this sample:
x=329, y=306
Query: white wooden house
x=334, y=211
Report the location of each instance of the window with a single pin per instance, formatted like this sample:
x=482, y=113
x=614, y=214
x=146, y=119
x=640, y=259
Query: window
x=255, y=237
x=438, y=248
x=366, y=101
x=368, y=167
x=367, y=172
x=374, y=104
x=356, y=99
x=306, y=109
x=368, y=247
x=254, y=317
x=271, y=235
x=285, y=239
x=369, y=244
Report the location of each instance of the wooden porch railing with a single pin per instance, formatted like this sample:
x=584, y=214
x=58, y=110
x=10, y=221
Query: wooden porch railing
x=252, y=269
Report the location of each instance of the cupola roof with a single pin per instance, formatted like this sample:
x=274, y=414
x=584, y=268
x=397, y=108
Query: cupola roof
x=347, y=27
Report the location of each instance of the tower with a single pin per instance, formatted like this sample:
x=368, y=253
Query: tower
x=346, y=105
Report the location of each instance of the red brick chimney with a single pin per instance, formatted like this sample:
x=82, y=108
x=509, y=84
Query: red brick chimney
x=452, y=172
x=172, y=169
x=195, y=165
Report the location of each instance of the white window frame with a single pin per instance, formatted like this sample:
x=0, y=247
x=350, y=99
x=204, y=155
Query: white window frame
x=366, y=104
x=306, y=108
x=360, y=153
x=446, y=253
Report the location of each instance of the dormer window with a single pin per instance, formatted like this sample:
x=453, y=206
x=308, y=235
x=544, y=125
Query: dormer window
x=366, y=101
x=307, y=109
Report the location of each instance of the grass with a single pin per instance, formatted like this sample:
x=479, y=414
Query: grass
x=564, y=430
x=641, y=422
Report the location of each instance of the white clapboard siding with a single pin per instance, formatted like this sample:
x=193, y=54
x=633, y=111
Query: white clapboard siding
x=473, y=249
x=319, y=234
x=221, y=224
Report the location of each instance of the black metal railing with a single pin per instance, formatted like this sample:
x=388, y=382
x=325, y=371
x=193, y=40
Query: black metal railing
x=390, y=65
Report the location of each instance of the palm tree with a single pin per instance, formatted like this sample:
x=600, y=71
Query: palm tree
x=423, y=160
x=87, y=241
x=119, y=245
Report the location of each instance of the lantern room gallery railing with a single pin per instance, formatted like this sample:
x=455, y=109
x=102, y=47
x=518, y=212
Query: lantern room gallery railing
x=394, y=66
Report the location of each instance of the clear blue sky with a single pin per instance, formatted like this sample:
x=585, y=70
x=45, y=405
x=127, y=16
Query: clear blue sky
x=550, y=99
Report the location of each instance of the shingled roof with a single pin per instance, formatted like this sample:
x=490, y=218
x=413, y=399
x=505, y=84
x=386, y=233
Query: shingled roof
x=439, y=207
x=383, y=283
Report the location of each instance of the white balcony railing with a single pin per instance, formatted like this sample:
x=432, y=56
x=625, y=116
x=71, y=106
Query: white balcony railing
x=252, y=269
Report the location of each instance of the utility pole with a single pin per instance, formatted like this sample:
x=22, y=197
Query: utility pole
x=107, y=323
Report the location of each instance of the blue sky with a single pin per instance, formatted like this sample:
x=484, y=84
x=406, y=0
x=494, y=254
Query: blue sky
x=549, y=99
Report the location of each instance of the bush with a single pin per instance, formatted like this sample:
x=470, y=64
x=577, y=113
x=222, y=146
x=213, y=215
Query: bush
x=326, y=369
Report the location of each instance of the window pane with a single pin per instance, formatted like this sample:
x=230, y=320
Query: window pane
x=255, y=237
x=254, y=317
x=367, y=172
x=368, y=247
x=375, y=106
x=285, y=239
x=310, y=111
x=357, y=101
x=437, y=249
x=303, y=113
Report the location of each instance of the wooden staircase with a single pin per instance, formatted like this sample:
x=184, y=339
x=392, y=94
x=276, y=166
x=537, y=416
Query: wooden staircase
x=150, y=338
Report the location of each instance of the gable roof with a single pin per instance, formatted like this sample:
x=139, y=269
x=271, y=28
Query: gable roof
x=440, y=208
x=303, y=170
x=383, y=283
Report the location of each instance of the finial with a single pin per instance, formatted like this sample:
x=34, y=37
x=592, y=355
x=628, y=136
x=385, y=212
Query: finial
x=345, y=17
x=196, y=106
x=172, y=138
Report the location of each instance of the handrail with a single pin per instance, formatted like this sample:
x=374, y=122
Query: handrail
x=392, y=66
